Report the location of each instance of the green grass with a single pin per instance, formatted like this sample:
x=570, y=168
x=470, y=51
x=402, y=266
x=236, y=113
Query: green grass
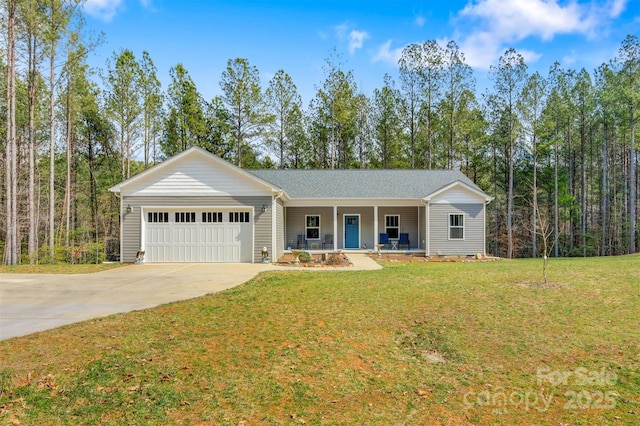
x=352, y=348
x=59, y=268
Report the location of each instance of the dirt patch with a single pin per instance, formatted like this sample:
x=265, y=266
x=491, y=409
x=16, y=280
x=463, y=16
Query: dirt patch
x=420, y=257
x=318, y=260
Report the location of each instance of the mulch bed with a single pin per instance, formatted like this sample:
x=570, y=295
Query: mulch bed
x=409, y=258
x=319, y=260
x=333, y=260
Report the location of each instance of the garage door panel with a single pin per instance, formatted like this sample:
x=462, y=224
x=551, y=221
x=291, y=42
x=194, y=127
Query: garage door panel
x=211, y=243
x=199, y=242
x=182, y=243
x=158, y=238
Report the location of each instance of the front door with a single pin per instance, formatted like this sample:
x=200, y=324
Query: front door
x=351, y=232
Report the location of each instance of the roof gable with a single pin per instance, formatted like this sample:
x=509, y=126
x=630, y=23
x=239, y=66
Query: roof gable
x=194, y=172
x=457, y=192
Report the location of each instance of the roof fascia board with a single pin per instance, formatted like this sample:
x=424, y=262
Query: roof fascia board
x=354, y=202
x=477, y=192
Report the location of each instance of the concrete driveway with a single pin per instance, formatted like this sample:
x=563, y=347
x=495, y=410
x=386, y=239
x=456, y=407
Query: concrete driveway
x=36, y=302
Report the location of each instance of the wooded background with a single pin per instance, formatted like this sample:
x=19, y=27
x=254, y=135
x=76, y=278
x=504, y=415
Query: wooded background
x=556, y=151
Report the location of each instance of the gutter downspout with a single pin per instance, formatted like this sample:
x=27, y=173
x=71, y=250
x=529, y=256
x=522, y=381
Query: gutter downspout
x=274, y=223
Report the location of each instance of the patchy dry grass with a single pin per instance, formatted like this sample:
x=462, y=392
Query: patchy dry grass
x=352, y=348
x=59, y=268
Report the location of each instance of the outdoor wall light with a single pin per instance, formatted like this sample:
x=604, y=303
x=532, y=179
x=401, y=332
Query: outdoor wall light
x=129, y=209
x=264, y=208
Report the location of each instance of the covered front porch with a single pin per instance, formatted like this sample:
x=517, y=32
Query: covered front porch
x=353, y=226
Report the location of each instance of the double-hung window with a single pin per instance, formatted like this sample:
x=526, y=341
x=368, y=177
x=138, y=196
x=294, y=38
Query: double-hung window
x=456, y=227
x=312, y=227
x=392, y=226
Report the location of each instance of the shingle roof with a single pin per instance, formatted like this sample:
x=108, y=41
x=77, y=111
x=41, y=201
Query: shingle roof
x=352, y=183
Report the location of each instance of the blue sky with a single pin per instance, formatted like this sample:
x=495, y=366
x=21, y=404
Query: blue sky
x=298, y=36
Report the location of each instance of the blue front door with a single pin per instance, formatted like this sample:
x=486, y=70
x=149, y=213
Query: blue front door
x=351, y=232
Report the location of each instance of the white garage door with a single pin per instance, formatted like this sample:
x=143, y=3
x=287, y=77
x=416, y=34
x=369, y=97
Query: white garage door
x=198, y=236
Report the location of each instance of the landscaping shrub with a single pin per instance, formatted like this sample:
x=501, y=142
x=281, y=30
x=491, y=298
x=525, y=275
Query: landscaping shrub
x=305, y=257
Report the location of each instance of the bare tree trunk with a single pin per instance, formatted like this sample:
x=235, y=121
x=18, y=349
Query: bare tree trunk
x=605, y=191
x=632, y=184
x=556, y=206
x=11, y=246
x=510, y=196
x=534, y=224
x=32, y=243
x=146, y=139
x=52, y=153
x=583, y=184
x=496, y=235
x=67, y=191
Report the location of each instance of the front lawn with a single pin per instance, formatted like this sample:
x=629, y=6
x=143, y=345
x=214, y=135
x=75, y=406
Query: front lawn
x=352, y=348
x=59, y=268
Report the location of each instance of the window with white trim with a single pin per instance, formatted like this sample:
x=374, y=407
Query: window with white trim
x=312, y=227
x=239, y=217
x=157, y=217
x=392, y=225
x=185, y=217
x=456, y=226
x=211, y=217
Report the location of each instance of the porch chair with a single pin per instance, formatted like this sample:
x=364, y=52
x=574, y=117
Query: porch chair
x=404, y=241
x=328, y=241
x=384, y=239
x=301, y=243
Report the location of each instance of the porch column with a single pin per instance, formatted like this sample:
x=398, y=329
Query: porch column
x=335, y=228
x=375, y=226
x=274, y=232
x=428, y=231
x=419, y=240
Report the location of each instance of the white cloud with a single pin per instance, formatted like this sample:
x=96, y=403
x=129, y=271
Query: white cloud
x=387, y=55
x=483, y=50
x=517, y=19
x=104, y=10
x=356, y=40
x=341, y=30
x=616, y=8
x=420, y=21
x=499, y=24
x=529, y=56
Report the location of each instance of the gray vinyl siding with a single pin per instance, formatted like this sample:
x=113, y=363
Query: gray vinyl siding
x=473, y=241
x=131, y=233
x=132, y=222
x=408, y=222
x=263, y=224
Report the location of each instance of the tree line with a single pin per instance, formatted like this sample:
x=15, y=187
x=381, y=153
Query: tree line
x=556, y=151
